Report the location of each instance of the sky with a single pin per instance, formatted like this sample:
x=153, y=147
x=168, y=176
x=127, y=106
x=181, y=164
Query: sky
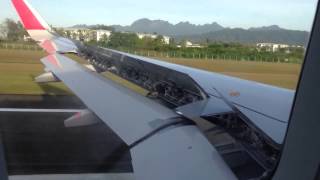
x=290, y=14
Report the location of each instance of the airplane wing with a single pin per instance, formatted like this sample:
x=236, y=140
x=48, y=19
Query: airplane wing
x=255, y=114
x=163, y=138
x=164, y=145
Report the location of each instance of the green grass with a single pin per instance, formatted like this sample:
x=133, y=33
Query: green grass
x=17, y=78
x=277, y=74
x=21, y=56
x=17, y=71
x=19, y=67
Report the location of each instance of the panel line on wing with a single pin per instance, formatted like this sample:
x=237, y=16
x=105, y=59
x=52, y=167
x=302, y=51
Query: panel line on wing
x=172, y=122
x=250, y=109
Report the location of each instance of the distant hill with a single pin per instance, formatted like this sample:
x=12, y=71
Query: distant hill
x=266, y=28
x=212, y=32
x=166, y=28
x=94, y=27
x=252, y=35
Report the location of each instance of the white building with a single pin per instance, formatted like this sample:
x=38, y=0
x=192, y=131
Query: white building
x=166, y=39
x=87, y=34
x=80, y=34
x=3, y=35
x=103, y=33
x=273, y=47
x=143, y=35
x=189, y=44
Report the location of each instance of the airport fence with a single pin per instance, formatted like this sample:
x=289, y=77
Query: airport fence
x=173, y=54
x=20, y=46
x=212, y=57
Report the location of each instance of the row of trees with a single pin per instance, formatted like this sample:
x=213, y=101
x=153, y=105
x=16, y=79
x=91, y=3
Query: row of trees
x=14, y=31
x=130, y=42
x=11, y=30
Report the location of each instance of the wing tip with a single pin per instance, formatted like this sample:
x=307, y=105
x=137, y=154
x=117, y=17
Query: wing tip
x=31, y=20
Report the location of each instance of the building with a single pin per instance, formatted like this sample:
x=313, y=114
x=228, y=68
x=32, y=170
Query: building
x=273, y=47
x=145, y=35
x=3, y=35
x=84, y=34
x=103, y=34
x=80, y=34
x=166, y=39
x=189, y=44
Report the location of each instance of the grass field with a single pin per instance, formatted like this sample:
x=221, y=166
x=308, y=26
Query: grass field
x=19, y=67
x=17, y=71
x=278, y=74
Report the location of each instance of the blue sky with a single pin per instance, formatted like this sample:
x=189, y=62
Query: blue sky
x=291, y=14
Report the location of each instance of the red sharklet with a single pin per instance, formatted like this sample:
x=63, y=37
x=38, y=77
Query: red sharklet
x=29, y=19
x=48, y=46
x=78, y=115
x=54, y=61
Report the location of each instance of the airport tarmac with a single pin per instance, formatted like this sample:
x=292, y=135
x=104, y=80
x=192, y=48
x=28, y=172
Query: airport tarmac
x=38, y=143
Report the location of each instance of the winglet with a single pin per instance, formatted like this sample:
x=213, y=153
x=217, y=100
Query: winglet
x=29, y=16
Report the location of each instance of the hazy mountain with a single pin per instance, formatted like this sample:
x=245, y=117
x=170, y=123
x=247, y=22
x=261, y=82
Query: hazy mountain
x=272, y=34
x=166, y=28
x=97, y=26
x=80, y=26
x=266, y=28
x=213, y=32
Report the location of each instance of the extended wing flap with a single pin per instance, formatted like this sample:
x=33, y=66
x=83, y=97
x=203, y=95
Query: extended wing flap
x=263, y=106
x=207, y=107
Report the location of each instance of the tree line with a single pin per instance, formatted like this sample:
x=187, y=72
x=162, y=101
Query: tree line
x=130, y=42
x=13, y=31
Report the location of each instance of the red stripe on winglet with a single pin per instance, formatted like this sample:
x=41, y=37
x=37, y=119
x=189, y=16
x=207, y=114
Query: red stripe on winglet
x=54, y=61
x=48, y=46
x=78, y=115
x=28, y=19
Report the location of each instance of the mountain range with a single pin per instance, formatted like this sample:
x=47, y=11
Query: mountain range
x=251, y=36
x=215, y=32
x=166, y=28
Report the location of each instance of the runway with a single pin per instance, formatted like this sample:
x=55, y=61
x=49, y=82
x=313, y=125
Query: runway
x=38, y=143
